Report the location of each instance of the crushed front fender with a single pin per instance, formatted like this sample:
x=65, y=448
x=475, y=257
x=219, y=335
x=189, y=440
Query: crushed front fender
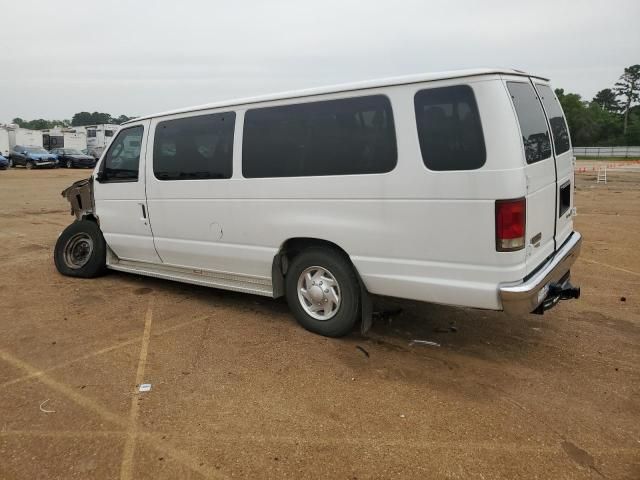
x=80, y=196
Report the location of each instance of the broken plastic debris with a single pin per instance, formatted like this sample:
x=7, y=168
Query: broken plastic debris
x=424, y=342
x=42, y=409
x=145, y=387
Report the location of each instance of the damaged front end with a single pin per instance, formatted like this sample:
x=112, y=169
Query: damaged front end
x=80, y=196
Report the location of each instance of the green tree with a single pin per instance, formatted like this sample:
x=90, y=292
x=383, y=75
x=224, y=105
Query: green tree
x=628, y=87
x=121, y=119
x=607, y=100
x=85, y=118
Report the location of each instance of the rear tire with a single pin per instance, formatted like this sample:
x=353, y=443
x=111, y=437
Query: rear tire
x=80, y=250
x=69, y=164
x=322, y=291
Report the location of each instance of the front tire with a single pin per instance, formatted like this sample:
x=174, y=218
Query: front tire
x=29, y=165
x=80, y=250
x=323, y=292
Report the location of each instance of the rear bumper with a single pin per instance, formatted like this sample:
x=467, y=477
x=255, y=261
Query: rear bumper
x=526, y=296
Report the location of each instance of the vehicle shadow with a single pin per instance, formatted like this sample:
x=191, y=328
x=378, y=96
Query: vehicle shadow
x=399, y=325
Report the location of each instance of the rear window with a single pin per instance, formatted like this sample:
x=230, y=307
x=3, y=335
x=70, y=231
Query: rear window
x=194, y=148
x=336, y=137
x=556, y=119
x=449, y=128
x=533, y=124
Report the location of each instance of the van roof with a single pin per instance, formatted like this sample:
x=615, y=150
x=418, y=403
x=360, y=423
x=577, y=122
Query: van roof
x=346, y=87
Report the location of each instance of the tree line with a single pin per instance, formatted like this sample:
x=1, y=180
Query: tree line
x=79, y=119
x=611, y=118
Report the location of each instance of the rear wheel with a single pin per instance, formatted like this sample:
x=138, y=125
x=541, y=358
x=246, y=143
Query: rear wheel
x=69, y=163
x=10, y=163
x=81, y=250
x=323, y=292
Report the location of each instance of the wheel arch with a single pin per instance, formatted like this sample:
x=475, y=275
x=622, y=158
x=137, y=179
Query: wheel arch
x=289, y=249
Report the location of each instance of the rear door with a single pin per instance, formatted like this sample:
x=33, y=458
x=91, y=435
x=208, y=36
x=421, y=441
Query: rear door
x=540, y=171
x=564, y=161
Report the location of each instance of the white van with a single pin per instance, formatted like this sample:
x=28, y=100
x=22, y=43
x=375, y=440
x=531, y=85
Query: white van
x=453, y=188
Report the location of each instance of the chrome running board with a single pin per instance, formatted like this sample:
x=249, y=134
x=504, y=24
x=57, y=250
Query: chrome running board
x=206, y=278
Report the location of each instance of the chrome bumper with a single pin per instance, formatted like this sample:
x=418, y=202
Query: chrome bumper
x=526, y=296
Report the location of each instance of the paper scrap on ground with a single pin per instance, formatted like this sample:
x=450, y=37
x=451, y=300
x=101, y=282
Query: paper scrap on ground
x=423, y=342
x=145, y=387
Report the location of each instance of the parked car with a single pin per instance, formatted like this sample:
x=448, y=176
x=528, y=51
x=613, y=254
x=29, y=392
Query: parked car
x=72, y=158
x=452, y=188
x=95, y=152
x=32, y=156
x=4, y=163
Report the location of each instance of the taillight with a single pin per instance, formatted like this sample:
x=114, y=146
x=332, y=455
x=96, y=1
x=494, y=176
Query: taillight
x=511, y=220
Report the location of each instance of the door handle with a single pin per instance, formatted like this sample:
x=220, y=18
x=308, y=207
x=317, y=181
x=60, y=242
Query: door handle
x=143, y=219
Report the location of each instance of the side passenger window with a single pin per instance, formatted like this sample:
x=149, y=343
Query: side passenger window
x=449, y=128
x=533, y=124
x=123, y=158
x=194, y=148
x=556, y=119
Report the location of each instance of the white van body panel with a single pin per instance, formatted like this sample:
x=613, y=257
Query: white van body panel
x=120, y=209
x=411, y=233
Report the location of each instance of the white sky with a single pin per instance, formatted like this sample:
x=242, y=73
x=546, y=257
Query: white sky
x=143, y=56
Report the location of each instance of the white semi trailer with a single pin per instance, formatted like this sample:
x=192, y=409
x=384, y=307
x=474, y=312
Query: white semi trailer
x=99, y=136
x=24, y=136
x=64, y=138
x=4, y=141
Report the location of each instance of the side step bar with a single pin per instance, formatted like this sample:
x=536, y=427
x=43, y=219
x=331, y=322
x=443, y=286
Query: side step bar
x=206, y=278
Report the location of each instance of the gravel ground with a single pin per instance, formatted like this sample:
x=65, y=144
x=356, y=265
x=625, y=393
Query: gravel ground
x=239, y=390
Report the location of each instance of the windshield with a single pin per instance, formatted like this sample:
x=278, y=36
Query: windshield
x=72, y=151
x=35, y=150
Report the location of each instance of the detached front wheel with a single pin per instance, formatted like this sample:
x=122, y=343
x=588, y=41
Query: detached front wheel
x=323, y=292
x=81, y=250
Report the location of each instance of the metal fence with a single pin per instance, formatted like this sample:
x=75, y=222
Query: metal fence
x=607, y=152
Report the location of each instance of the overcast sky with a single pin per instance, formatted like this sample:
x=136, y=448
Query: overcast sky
x=136, y=57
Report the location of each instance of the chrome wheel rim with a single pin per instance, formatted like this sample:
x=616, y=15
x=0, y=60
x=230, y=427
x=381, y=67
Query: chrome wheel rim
x=319, y=293
x=77, y=251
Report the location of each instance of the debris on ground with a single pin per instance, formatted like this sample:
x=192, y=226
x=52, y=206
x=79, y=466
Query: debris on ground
x=423, y=342
x=387, y=315
x=623, y=299
x=450, y=329
x=358, y=347
x=145, y=387
x=44, y=410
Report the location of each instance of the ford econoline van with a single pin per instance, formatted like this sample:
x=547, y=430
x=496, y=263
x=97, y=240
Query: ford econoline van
x=453, y=188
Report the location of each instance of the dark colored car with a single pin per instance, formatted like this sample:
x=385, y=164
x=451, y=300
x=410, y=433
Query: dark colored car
x=31, y=157
x=4, y=163
x=72, y=158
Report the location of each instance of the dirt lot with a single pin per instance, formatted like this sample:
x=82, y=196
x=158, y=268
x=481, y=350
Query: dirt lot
x=239, y=390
